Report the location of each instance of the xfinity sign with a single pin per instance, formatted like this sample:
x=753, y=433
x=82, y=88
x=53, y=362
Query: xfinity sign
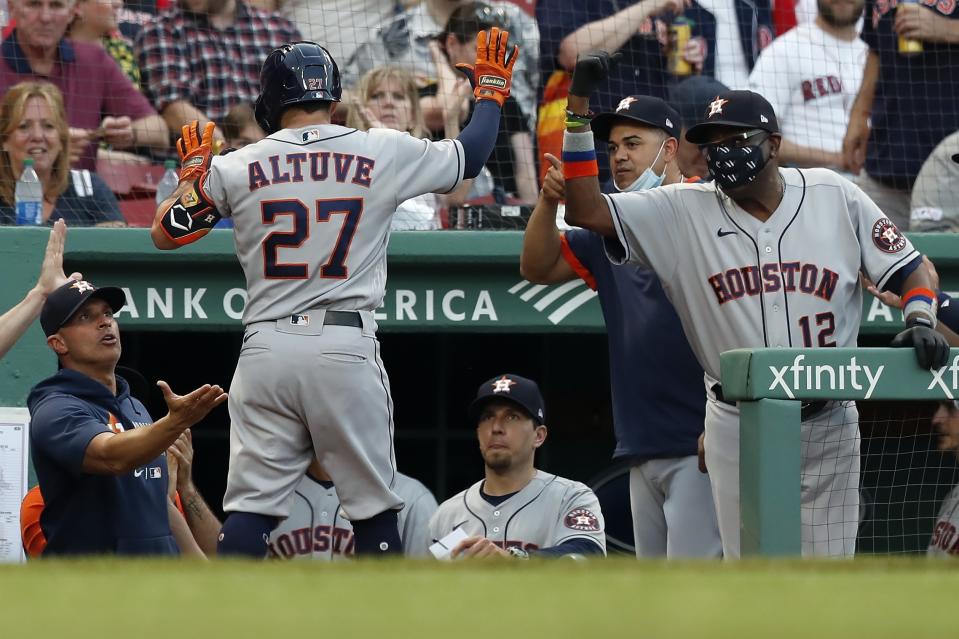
x=799, y=377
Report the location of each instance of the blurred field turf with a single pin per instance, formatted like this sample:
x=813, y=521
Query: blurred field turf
x=874, y=598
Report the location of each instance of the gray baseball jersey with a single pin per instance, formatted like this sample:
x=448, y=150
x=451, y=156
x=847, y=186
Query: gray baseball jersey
x=317, y=529
x=945, y=534
x=736, y=282
x=311, y=210
x=791, y=281
x=546, y=512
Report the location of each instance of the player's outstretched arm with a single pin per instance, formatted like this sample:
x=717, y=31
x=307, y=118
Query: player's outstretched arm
x=492, y=77
x=115, y=454
x=542, y=260
x=15, y=322
x=187, y=215
x=202, y=522
x=585, y=205
x=181, y=533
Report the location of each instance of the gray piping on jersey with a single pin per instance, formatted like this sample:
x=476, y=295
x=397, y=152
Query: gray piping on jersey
x=779, y=248
x=332, y=137
x=762, y=305
x=619, y=223
x=389, y=411
x=518, y=510
x=459, y=167
x=889, y=272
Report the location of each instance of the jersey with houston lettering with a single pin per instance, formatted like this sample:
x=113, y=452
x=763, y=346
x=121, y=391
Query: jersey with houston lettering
x=311, y=211
x=737, y=282
x=546, y=512
x=317, y=528
x=945, y=534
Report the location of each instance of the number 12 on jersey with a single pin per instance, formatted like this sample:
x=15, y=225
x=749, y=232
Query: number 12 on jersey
x=825, y=327
x=335, y=267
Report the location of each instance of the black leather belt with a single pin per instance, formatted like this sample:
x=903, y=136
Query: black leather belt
x=808, y=410
x=343, y=318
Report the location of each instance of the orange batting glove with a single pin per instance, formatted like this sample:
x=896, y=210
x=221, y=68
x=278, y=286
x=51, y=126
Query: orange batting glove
x=195, y=151
x=492, y=73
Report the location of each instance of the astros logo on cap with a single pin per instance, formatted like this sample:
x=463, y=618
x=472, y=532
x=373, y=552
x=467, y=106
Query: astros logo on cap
x=716, y=107
x=624, y=103
x=502, y=385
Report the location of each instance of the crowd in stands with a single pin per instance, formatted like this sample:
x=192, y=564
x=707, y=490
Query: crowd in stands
x=129, y=73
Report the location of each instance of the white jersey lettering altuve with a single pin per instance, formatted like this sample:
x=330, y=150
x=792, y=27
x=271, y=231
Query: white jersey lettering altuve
x=546, y=512
x=945, y=534
x=736, y=282
x=318, y=529
x=311, y=210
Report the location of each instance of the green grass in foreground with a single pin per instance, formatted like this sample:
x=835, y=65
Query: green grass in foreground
x=873, y=598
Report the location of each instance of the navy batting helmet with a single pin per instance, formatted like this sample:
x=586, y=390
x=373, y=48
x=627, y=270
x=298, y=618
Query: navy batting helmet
x=293, y=74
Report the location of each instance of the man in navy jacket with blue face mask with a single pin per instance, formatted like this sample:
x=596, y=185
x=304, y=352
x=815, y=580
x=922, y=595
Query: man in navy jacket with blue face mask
x=97, y=452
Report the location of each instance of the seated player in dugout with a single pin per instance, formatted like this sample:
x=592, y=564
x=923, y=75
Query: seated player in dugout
x=517, y=510
x=318, y=529
x=945, y=533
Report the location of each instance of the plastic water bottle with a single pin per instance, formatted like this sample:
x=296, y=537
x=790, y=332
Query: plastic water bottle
x=168, y=182
x=28, y=196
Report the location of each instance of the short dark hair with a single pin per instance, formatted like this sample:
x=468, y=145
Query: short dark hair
x=311, y=106
x=469, y=19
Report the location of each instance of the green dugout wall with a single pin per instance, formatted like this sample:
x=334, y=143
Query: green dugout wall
x=771, y=384
x=456, y=312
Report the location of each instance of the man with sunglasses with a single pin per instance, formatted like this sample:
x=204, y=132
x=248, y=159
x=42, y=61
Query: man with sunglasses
x=760, y=257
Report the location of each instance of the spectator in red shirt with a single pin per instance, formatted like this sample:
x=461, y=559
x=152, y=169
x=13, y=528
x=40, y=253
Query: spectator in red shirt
x=201, y=58
x=101, y=102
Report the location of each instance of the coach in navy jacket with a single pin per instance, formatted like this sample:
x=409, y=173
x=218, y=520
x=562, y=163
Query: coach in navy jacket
x=97, y=452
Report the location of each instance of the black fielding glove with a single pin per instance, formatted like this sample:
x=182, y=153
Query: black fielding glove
x=932, y=349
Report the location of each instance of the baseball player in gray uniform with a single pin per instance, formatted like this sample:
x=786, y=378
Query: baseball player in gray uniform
x=517, y=510
x=761, y=257
x=317, y=529
x=945, y=533
x=311, y=206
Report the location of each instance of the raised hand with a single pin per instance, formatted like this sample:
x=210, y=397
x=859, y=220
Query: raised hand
x=195, y=150
x=554, y=185
x=492, y=73
x=51, y=272
x=188, y=410
x=591, y=70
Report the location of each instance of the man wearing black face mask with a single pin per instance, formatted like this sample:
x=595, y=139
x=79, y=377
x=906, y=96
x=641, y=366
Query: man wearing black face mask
x=761, y=257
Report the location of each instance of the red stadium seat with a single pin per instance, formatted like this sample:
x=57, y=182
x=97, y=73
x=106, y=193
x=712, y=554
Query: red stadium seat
x=139, y=211
x=130, y=180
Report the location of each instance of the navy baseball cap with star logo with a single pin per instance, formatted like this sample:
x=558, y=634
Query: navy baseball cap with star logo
x=742, y=109
x=67, y=300
x=519, y=390
x=642, y=109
